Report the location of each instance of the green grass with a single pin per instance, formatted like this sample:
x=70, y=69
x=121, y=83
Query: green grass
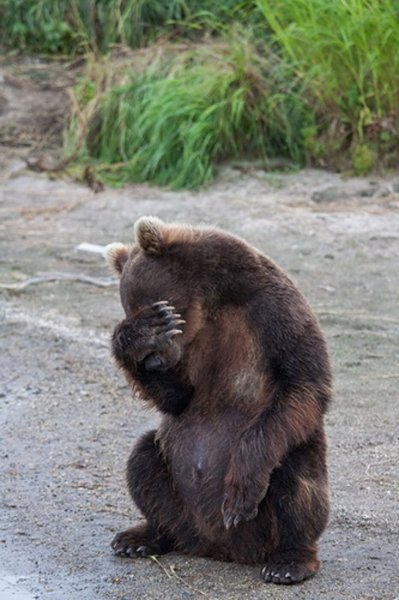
x=38, y=26
x=346, y=53
x=198, y=83
x=74, y=26
x=174, y=122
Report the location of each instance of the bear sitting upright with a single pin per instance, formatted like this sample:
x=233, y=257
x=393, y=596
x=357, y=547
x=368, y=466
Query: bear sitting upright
x=219, y=339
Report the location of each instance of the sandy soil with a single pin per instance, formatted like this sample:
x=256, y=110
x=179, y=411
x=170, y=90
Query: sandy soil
x=68, y=421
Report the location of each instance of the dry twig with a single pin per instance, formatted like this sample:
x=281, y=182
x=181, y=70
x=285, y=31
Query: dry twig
x=171, y=573
x=81, y=278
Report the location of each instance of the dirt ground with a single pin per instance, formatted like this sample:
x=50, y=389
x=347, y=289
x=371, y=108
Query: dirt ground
x=68, y=421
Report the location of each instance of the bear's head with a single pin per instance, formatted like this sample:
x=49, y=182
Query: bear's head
x=148, y=273
x=157, y=268
x=195, y=269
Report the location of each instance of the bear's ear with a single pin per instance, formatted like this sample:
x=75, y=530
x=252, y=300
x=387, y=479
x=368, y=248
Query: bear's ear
x=116, y=255
x=151, y=234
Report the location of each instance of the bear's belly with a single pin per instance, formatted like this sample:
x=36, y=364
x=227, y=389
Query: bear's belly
x=198, y=459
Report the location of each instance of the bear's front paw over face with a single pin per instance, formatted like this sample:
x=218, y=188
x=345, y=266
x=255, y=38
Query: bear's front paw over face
x=238, y=507
x=149, y=338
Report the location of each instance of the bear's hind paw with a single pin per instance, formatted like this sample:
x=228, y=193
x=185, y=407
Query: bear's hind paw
x=133, y=551
x=133, y=543
x=287, y=572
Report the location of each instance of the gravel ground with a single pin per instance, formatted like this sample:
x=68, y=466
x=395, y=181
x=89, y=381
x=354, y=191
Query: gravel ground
x=68, y=420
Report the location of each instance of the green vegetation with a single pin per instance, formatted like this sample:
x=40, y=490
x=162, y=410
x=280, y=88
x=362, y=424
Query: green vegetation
x=363, y=159
x=74, y=26
x=346, y=53
x=171, y=122
x=37, y=26
x=173, y=89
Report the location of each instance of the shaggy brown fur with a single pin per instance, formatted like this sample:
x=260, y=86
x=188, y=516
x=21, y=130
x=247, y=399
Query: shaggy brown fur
x=219, y=339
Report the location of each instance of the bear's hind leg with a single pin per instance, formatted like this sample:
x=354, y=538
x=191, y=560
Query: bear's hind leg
x=298, y=495
x=150, y=486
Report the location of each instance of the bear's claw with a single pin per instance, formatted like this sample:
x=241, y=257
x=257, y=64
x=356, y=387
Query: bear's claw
x=236, y=514
x=287, y=572
x=133, y=544
x=166, y=320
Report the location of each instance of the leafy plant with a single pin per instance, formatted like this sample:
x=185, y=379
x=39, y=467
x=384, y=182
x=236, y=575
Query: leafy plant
x=37, y=25
x=363, y=159
x=345, y=52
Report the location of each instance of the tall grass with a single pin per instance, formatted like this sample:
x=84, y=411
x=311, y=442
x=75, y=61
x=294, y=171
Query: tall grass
x=38, y=26
x=313, y=80
x=346, y=53
x=73, y=26
x=173, y=123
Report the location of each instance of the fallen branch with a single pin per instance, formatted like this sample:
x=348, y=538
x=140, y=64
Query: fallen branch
x=97, y=281
x=352, y=314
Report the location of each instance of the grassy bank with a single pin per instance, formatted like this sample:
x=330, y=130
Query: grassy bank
x=171, y=116
x=174, y=89
x=346, y=53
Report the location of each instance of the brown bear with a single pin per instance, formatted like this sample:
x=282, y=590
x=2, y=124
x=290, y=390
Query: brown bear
x=218, y=338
